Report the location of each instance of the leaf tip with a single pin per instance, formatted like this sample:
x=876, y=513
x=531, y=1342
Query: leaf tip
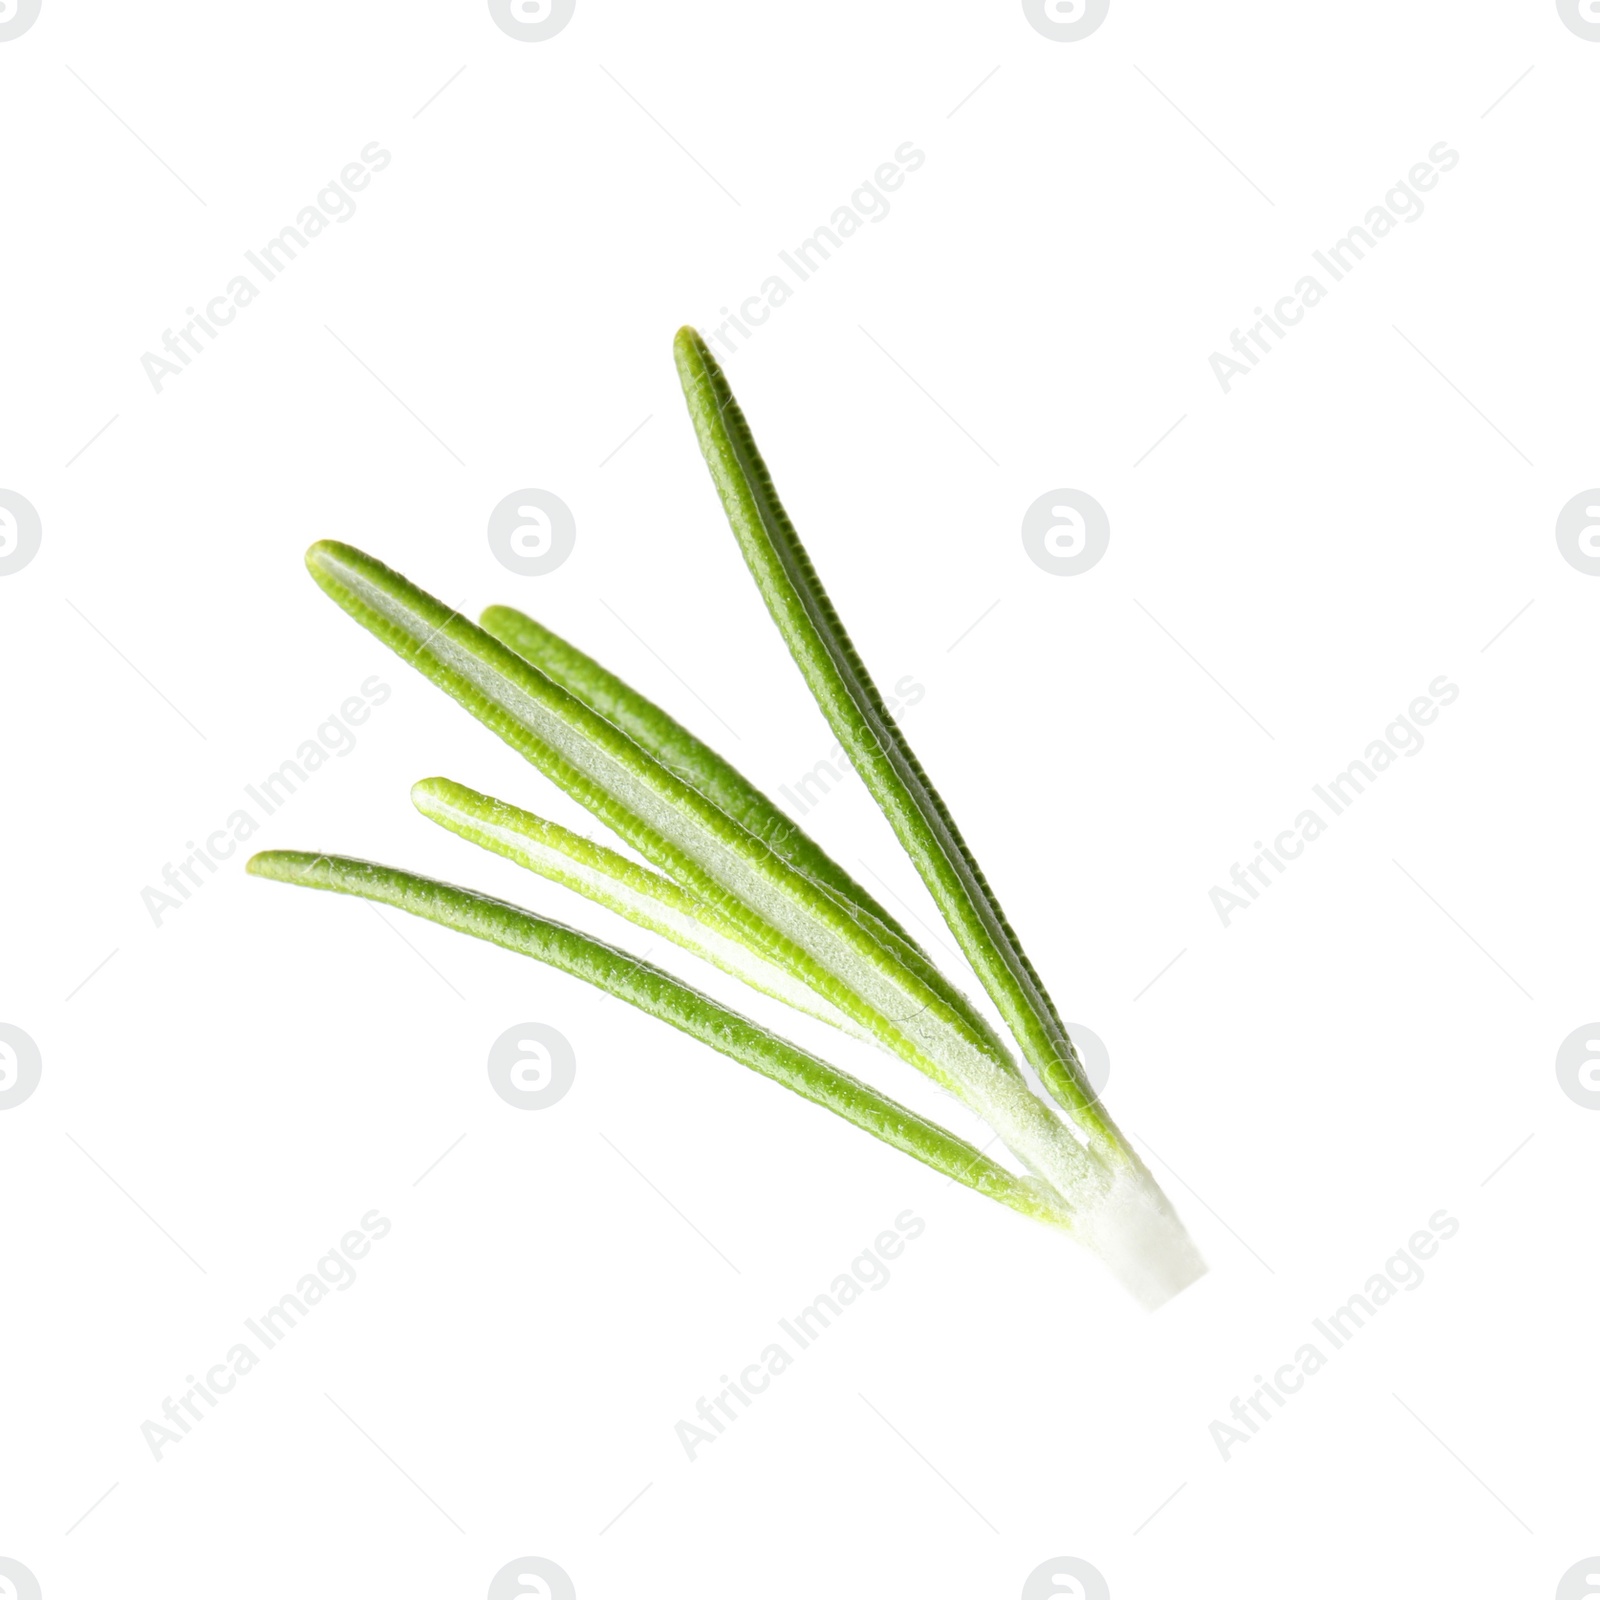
x=428, y=793
x=268, y=864
x=692, y=355
x=329, y=561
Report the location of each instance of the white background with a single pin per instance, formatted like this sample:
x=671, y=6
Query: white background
x=231, y=1091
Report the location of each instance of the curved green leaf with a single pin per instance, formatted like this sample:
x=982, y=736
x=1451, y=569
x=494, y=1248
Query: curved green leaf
x=679, y=751
x=647, y=899
x=662, y=996
x=861, y=721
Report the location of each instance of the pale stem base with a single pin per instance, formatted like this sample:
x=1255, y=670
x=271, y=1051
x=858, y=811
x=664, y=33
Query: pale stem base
x=1133, y=1228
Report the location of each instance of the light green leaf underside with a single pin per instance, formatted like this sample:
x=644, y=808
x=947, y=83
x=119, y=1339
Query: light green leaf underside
x=645, y=898
x=679, y=751
x=662, y=996
x=703, y=769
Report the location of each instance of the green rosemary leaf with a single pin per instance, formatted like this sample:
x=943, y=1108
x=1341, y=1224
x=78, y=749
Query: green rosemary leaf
x=662, y=996
x=647, y=899
x=863, y=725
x=679, y=751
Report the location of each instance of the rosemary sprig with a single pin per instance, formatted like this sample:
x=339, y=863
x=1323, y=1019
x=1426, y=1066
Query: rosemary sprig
x=739, y=884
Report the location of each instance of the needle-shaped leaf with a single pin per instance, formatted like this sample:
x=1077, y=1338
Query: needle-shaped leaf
x=661, y=995
x=679, y=751
x=702, y=768
x=863, y=725
x=645, y=898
